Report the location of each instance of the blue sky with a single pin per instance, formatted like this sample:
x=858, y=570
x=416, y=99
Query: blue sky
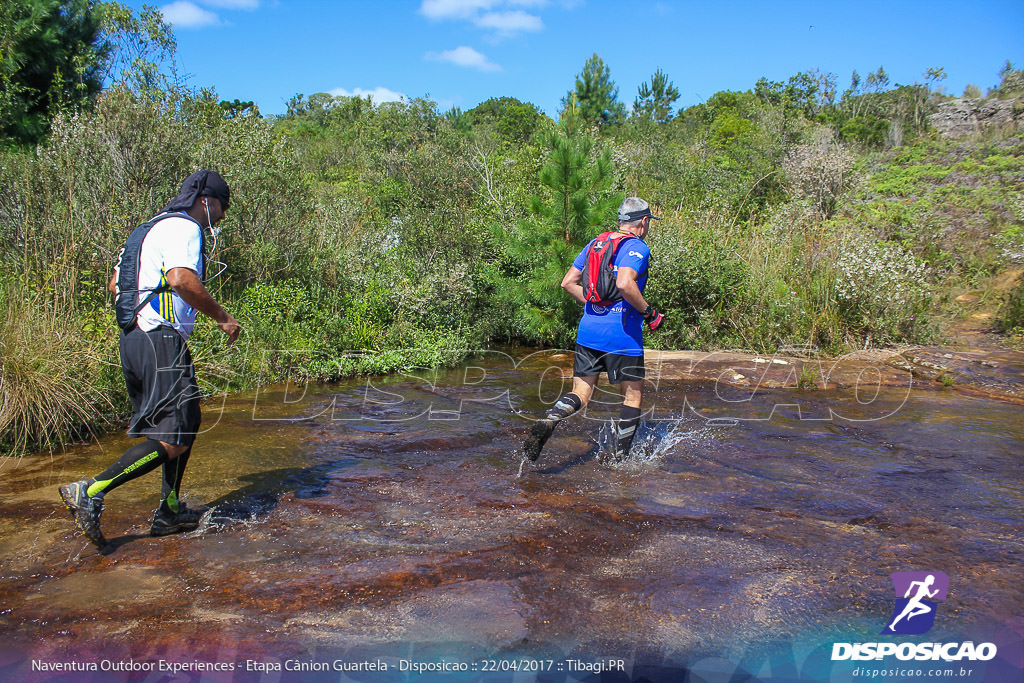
x=461, y=52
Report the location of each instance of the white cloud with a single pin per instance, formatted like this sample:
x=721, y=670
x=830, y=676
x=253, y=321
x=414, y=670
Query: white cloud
x=233, y=4
x=509, y=22
x=464, y=56
x=379, y=94
x=184, y=14
x=501, y=16
x=187, y=14
x=454, y=9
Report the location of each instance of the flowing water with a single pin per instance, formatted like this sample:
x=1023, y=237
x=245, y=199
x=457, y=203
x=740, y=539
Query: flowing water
x=392, y=518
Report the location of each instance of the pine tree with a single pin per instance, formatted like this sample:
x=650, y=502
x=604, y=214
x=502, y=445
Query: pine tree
x=654, y=102
x=577, y=203
x=1011, y=81
x=597, y=96
x=51, y=56
x=877, y=81
x=580, y=187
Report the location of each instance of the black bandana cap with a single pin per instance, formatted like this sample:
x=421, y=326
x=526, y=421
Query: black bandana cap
x=200, y=184
x=631, y=216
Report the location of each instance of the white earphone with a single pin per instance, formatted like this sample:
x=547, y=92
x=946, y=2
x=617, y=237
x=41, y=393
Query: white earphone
x=214, y=233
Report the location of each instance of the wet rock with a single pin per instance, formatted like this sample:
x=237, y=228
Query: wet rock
x=118, y=587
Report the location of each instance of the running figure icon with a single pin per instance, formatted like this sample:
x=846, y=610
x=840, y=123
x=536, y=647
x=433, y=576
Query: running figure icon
x=915, y=607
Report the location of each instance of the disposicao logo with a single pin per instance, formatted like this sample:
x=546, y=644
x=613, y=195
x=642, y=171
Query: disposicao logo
x=917, y=594
x=917, y=598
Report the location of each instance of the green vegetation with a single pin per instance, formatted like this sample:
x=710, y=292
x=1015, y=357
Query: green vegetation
x=367, y=238
x=808, y=379
x=654, y=102
x=55, y=54
x=596, y=95
x=51, y=56
x=1011, y=318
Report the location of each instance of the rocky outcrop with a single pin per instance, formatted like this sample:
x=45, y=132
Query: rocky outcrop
x=966, y=116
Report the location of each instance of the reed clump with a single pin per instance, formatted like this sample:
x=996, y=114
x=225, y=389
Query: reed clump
x=54, y=379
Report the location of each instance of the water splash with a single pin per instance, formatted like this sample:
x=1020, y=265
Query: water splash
x=220, y=517
x=654, y=442
x=522, y=464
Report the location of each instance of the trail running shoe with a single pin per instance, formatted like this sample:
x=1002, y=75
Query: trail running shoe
x=539, y=434
x=166, y=523
x=85, y=510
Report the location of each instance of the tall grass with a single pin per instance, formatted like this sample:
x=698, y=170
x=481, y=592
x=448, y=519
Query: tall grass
x=54, y=382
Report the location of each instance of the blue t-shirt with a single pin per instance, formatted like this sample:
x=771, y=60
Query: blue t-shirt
x=617, y=328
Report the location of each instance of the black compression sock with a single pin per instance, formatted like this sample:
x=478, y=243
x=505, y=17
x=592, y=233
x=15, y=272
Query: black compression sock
x=564, y=407
x=138, y=460
x=174, y=472
x=625, y=430
x=542, y=430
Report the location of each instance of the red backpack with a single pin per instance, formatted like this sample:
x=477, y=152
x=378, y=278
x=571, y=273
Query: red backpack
x=599, y=273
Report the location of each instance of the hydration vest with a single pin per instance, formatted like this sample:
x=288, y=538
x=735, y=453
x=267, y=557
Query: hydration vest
x=125, y=308
x=599, y=271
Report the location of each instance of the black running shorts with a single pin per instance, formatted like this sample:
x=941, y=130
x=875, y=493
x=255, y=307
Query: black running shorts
x=619, y=368
x=162, y=385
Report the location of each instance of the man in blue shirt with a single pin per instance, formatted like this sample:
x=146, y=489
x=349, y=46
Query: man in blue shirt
x=609, y=338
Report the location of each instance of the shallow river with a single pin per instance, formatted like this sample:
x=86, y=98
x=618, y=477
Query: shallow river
x=392, y=520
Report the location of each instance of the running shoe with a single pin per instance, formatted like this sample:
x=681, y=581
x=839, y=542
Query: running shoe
x=167, y=523
x=85, y=510
x=539, y=435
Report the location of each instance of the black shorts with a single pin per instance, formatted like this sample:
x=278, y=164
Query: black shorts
x=619, y=368
x=162, y=385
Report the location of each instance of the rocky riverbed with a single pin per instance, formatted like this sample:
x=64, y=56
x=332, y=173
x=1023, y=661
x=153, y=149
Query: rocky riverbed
x=391, y=520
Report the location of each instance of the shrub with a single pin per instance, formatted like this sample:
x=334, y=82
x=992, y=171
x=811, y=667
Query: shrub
x=1011, y=240
x=696, y=276
x=789, y=299
x=1011, y=314
x=820, y=171
x=881, y=288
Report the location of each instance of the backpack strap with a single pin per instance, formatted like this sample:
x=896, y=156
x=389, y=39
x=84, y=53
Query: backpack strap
x=619, y=242
x=593, y=264
x=160, y=289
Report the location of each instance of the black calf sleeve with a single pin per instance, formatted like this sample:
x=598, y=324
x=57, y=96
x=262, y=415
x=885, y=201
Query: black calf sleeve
x=625, y=430
x=138, y=460
x=564, y=407
x=174, y=472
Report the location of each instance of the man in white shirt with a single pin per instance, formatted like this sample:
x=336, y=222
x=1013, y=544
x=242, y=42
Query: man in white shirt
x=158, y=283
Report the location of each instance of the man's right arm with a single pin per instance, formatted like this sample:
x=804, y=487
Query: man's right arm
x=188, y=286
x=573, y=283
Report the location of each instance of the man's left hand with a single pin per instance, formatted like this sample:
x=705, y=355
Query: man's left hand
x=653, y=318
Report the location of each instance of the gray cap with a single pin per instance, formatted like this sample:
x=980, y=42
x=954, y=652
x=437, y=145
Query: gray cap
x=633, y=209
